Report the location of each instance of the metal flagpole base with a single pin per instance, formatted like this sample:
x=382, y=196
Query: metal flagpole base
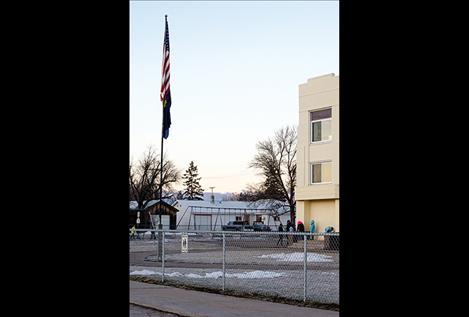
x=160, y=241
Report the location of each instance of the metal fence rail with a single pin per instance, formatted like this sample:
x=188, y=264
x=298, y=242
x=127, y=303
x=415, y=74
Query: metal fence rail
x=299, y=266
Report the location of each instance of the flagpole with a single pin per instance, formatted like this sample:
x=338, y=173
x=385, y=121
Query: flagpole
x=161, y=166
x=162, y=132
x=160, y=225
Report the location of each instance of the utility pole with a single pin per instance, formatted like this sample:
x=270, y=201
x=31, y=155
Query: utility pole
x=212, y=198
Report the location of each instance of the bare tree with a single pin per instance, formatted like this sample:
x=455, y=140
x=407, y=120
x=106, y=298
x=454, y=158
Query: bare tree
x=276, y=160
x=144, y=178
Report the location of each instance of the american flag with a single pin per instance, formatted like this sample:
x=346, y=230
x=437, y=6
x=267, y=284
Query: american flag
x=165, y=93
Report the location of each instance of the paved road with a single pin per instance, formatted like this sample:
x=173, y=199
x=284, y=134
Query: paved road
x=197, y=304
x=138, y=311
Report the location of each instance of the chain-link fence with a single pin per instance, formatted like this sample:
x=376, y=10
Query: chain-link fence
x=296, y=266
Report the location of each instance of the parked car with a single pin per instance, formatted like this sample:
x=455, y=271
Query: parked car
x=260, y=226
x=237, y=226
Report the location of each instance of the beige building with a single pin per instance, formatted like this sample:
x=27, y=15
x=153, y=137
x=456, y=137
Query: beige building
x=317, y=191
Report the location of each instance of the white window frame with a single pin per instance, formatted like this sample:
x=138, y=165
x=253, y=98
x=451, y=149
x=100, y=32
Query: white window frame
x=311, y=126
x=311, y=172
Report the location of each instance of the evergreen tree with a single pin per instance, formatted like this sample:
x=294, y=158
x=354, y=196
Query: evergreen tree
x=180, y=195
x=193, y=190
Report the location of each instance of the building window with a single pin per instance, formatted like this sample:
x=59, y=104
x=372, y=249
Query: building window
x=321, y=125
x=321, y=172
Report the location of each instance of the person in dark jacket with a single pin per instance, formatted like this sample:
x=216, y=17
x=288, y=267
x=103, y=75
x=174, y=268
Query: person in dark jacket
x=300, y=228
x=280, y=239
x=290, y=228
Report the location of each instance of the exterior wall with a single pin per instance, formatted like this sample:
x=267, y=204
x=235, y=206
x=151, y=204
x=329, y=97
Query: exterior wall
x=323, y=212
x=301, y=215
x=318, y=201
x=184, y=216
x=187, y=222
x=166, y=220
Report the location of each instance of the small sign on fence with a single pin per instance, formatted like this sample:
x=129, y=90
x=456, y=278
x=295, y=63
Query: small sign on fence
x=184, y=243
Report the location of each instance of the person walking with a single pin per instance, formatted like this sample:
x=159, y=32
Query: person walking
x=280, y=239
x=293, y=229
x=289, y=229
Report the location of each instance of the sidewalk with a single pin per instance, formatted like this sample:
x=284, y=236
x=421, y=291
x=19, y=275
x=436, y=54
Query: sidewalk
x=200, y=304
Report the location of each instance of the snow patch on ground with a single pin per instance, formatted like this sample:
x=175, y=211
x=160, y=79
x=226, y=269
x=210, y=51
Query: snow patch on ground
x=298, y=257
x=215, y=275
x=143, y=272
x=244, y=275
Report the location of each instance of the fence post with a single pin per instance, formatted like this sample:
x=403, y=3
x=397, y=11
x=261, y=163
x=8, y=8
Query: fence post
x=305, y=270
x=162, y=258
x=224, y=252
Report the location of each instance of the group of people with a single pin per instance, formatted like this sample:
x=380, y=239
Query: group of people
x=291, y=228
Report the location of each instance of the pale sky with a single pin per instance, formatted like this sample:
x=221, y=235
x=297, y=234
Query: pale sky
x=235, y=71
